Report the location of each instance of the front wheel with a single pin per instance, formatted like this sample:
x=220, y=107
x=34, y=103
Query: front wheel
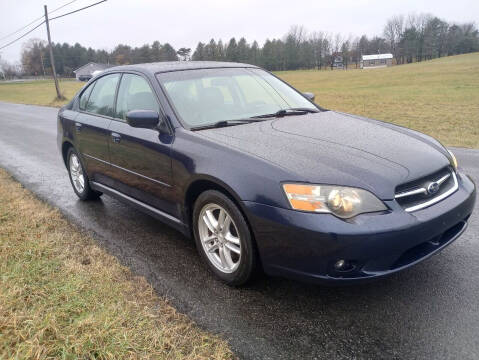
x=78, y=177
x=223, y=238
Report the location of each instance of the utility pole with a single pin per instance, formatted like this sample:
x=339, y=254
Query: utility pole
x=52, y=61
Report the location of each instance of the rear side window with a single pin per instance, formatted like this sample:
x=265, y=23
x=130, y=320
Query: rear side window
x=134, y=94
x=84, y=97
x=102, y=96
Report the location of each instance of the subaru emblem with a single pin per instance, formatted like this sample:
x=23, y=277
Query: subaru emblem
x=433, y=188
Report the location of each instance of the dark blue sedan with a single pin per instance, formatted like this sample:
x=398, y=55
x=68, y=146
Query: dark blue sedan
x=259, y=175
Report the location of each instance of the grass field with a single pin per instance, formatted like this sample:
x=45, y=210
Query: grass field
x=40, y=92
x=438, y=97
x=62, y=297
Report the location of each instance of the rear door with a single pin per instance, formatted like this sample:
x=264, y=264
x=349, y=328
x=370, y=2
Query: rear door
x=96, y=110
x=140, y=158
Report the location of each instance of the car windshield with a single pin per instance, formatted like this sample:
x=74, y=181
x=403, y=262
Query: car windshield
x=206, y=96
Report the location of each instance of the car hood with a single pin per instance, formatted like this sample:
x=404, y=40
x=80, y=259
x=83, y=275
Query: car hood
x=336, y=148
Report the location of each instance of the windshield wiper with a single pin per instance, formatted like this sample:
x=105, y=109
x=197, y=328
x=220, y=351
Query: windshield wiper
x=287, y=112
x=224, y=123
x=279, y=113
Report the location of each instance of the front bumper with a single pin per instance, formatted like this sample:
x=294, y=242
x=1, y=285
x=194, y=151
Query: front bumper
x=306, y=246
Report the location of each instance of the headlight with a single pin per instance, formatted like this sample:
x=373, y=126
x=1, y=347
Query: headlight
x=453, y=160
x=344, y=202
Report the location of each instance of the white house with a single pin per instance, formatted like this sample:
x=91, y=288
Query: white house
x=376, y=60
x=87, y=71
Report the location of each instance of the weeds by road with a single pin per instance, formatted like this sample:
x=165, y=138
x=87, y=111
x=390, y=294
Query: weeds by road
x=63, y=297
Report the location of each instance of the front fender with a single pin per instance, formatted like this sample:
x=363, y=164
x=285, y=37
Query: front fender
x=245, y=176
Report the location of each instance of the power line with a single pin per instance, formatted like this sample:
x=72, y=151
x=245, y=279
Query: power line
x=75, y=11
x=56, y=17
x=21, y=37
x=17, y=31
x=34, y=21
x=61, y=7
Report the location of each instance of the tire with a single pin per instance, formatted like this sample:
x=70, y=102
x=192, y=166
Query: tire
x=219, y=246
x=79, y=178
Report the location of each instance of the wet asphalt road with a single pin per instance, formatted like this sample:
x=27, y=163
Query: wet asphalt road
x=429, y=311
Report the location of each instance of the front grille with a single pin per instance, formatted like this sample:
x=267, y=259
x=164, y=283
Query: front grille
x=426, y=191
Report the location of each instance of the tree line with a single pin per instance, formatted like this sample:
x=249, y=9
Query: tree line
x=35, y=59
x=409, y=38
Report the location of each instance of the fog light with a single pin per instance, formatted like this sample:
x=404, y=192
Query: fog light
x=343, y=265
x=340, y=264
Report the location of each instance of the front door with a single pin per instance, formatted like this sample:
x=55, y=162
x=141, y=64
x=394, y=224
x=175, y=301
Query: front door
x=140, y=158
x=92, y=125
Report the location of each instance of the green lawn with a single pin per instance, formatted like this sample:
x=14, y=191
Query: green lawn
x=41, y=92
x=438, y=97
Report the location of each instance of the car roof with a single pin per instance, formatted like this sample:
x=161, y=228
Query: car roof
x=166, y=66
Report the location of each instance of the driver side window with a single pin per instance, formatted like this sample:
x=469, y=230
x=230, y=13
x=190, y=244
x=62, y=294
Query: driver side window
x=102, y=96
x=134, y=94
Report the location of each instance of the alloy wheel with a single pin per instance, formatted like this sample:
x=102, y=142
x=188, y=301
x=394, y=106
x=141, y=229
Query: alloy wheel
x=219, y=238
x=76, y=172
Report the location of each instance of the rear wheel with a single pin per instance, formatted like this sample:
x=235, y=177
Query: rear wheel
x=79, y=178
x=223, y=238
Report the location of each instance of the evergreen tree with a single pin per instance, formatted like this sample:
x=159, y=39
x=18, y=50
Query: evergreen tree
x=254, y=54
x=155, y=51
x=220, y=51
x=199, y=53
x=232, y=51
x=242, y=51
x=210, y=51
x=168, y=53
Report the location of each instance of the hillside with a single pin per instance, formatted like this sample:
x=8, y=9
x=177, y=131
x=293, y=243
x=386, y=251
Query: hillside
x=439, y=97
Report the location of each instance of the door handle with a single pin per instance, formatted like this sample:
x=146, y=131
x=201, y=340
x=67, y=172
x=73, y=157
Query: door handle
x=78, y=126
x=116, y=137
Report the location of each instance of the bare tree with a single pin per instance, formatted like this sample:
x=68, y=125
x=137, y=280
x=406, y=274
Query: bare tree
x=393, y=32
x=293, y=40
x=327, y=48
x=346, y=50
x=418, y=23
x=298, y=33
x=9, y=70
x=34, y=56
x=356, y=51
x=338, y=42
x=317, y=39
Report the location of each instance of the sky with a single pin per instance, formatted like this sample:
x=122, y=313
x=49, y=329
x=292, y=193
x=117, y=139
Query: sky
x=183, y=23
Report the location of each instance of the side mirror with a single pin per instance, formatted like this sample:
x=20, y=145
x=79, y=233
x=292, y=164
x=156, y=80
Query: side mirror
x=309, y=96
x=163, y=127
x=146, y=119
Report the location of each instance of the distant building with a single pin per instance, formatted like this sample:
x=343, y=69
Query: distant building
x=87, y=71
x=337, y=62
x=377, y=60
